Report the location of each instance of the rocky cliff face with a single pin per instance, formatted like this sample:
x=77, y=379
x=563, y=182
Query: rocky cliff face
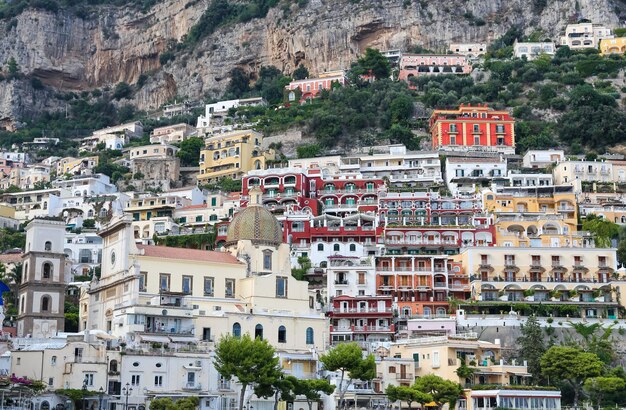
x=119, y=44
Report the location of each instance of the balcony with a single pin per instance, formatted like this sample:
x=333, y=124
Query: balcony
x=404, y=376
x=224, y=385
x=341, y=282
x=192, y=386
x=355, y=310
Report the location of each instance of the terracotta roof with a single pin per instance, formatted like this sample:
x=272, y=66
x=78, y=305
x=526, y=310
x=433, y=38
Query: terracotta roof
x=187, y=254
x=200, y=206
x=11, y=258
x=234, y=195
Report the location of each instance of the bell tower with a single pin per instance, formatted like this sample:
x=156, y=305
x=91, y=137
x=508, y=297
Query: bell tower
x=41, y=295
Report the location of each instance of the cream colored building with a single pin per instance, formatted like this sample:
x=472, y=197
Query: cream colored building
x=219, y=206
x=469, y=50
x=409, y=359
x=172, y=133
x=563, y=276
x=150, y=294
x=232, y=155
x=585, y=35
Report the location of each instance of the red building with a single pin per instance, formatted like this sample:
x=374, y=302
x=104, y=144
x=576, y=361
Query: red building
x=361, y=319
x=311, y=87
x=475, y=127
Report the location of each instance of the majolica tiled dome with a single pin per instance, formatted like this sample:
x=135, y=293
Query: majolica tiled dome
x=256, y=224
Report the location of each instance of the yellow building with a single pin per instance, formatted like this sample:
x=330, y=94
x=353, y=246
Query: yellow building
x=535, y=216
x=71, y=165
x=577, y=277
x=613, y=46
x=232, y=155
x=7, y=211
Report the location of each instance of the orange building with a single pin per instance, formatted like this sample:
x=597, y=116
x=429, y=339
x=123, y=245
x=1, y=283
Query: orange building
x=470, y=127
x=311, y=87
x=420, y=284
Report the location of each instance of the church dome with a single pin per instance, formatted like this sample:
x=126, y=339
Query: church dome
x=256, y=224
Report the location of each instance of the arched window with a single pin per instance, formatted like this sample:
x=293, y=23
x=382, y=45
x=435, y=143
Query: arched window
x=282, y=334
x=236, y=329
x=309, y=336
x=258, y=332
x=47, y=246
x=22, y=304
x=352, y=247
x=47, y=270
x=113, y=366
x=45, y=303
x=25, y=273
x=320, y=247
x=336, y=247
x=267, y=260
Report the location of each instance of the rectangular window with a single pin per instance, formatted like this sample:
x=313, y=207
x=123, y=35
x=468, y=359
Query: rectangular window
x=135, y=380
x=459, y=173
x=88, y=379
x=187, y=284
x=50, y=381
x=453, y=128
x=509, y=260
x=476, y=128
x=165, y=282
x=230, y=288
x=208, y=286
x=158, y=381
x=452, y=140
x=361, y=278
x=556, y=261
x=281, y=287
x=143, y=280
x=477, y=140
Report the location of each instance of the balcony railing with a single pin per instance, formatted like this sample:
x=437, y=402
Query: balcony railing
x=404, y=376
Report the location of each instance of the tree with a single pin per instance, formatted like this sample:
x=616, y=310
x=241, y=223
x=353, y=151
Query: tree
x=246, y=359
x=308, y=151
x=604, y=230
x=373, y=63
x=189, y=152
x=239, y=83
x=281, y=388
x=12, y=67
x=311, y=389
x=122, y=90
x=442, y=390
x=571, y=366
x=531, y=346
x=598, y=387
x=596, y=339
x=347, y=359
x=300, y=73
x=465, y=372
x=407, y=394
x=89, y=223
x=402, y=108
x=166, y=403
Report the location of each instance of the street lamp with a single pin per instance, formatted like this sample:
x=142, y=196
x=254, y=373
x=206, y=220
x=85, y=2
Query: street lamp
x=126, y=391
x=100, y=393
x=84, y=393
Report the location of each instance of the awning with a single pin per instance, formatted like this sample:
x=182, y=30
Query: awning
x=106, y=336
x=155, y=339
x=183, y=339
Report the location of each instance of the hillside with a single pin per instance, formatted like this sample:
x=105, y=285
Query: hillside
x=186, y=49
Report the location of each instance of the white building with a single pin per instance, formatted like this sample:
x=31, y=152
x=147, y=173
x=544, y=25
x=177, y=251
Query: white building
x=533, y=50
x=33, y=204
x=528, y=179
x=351, y=276
x=585, y=35
x=541, y=158
x=86, y=185
x=220, y=109
x=15, y=156
x=399, y=166
x=84, y=251
x=465, y=176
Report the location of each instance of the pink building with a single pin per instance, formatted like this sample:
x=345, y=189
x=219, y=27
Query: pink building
x=415, y=65
x=312, y=87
